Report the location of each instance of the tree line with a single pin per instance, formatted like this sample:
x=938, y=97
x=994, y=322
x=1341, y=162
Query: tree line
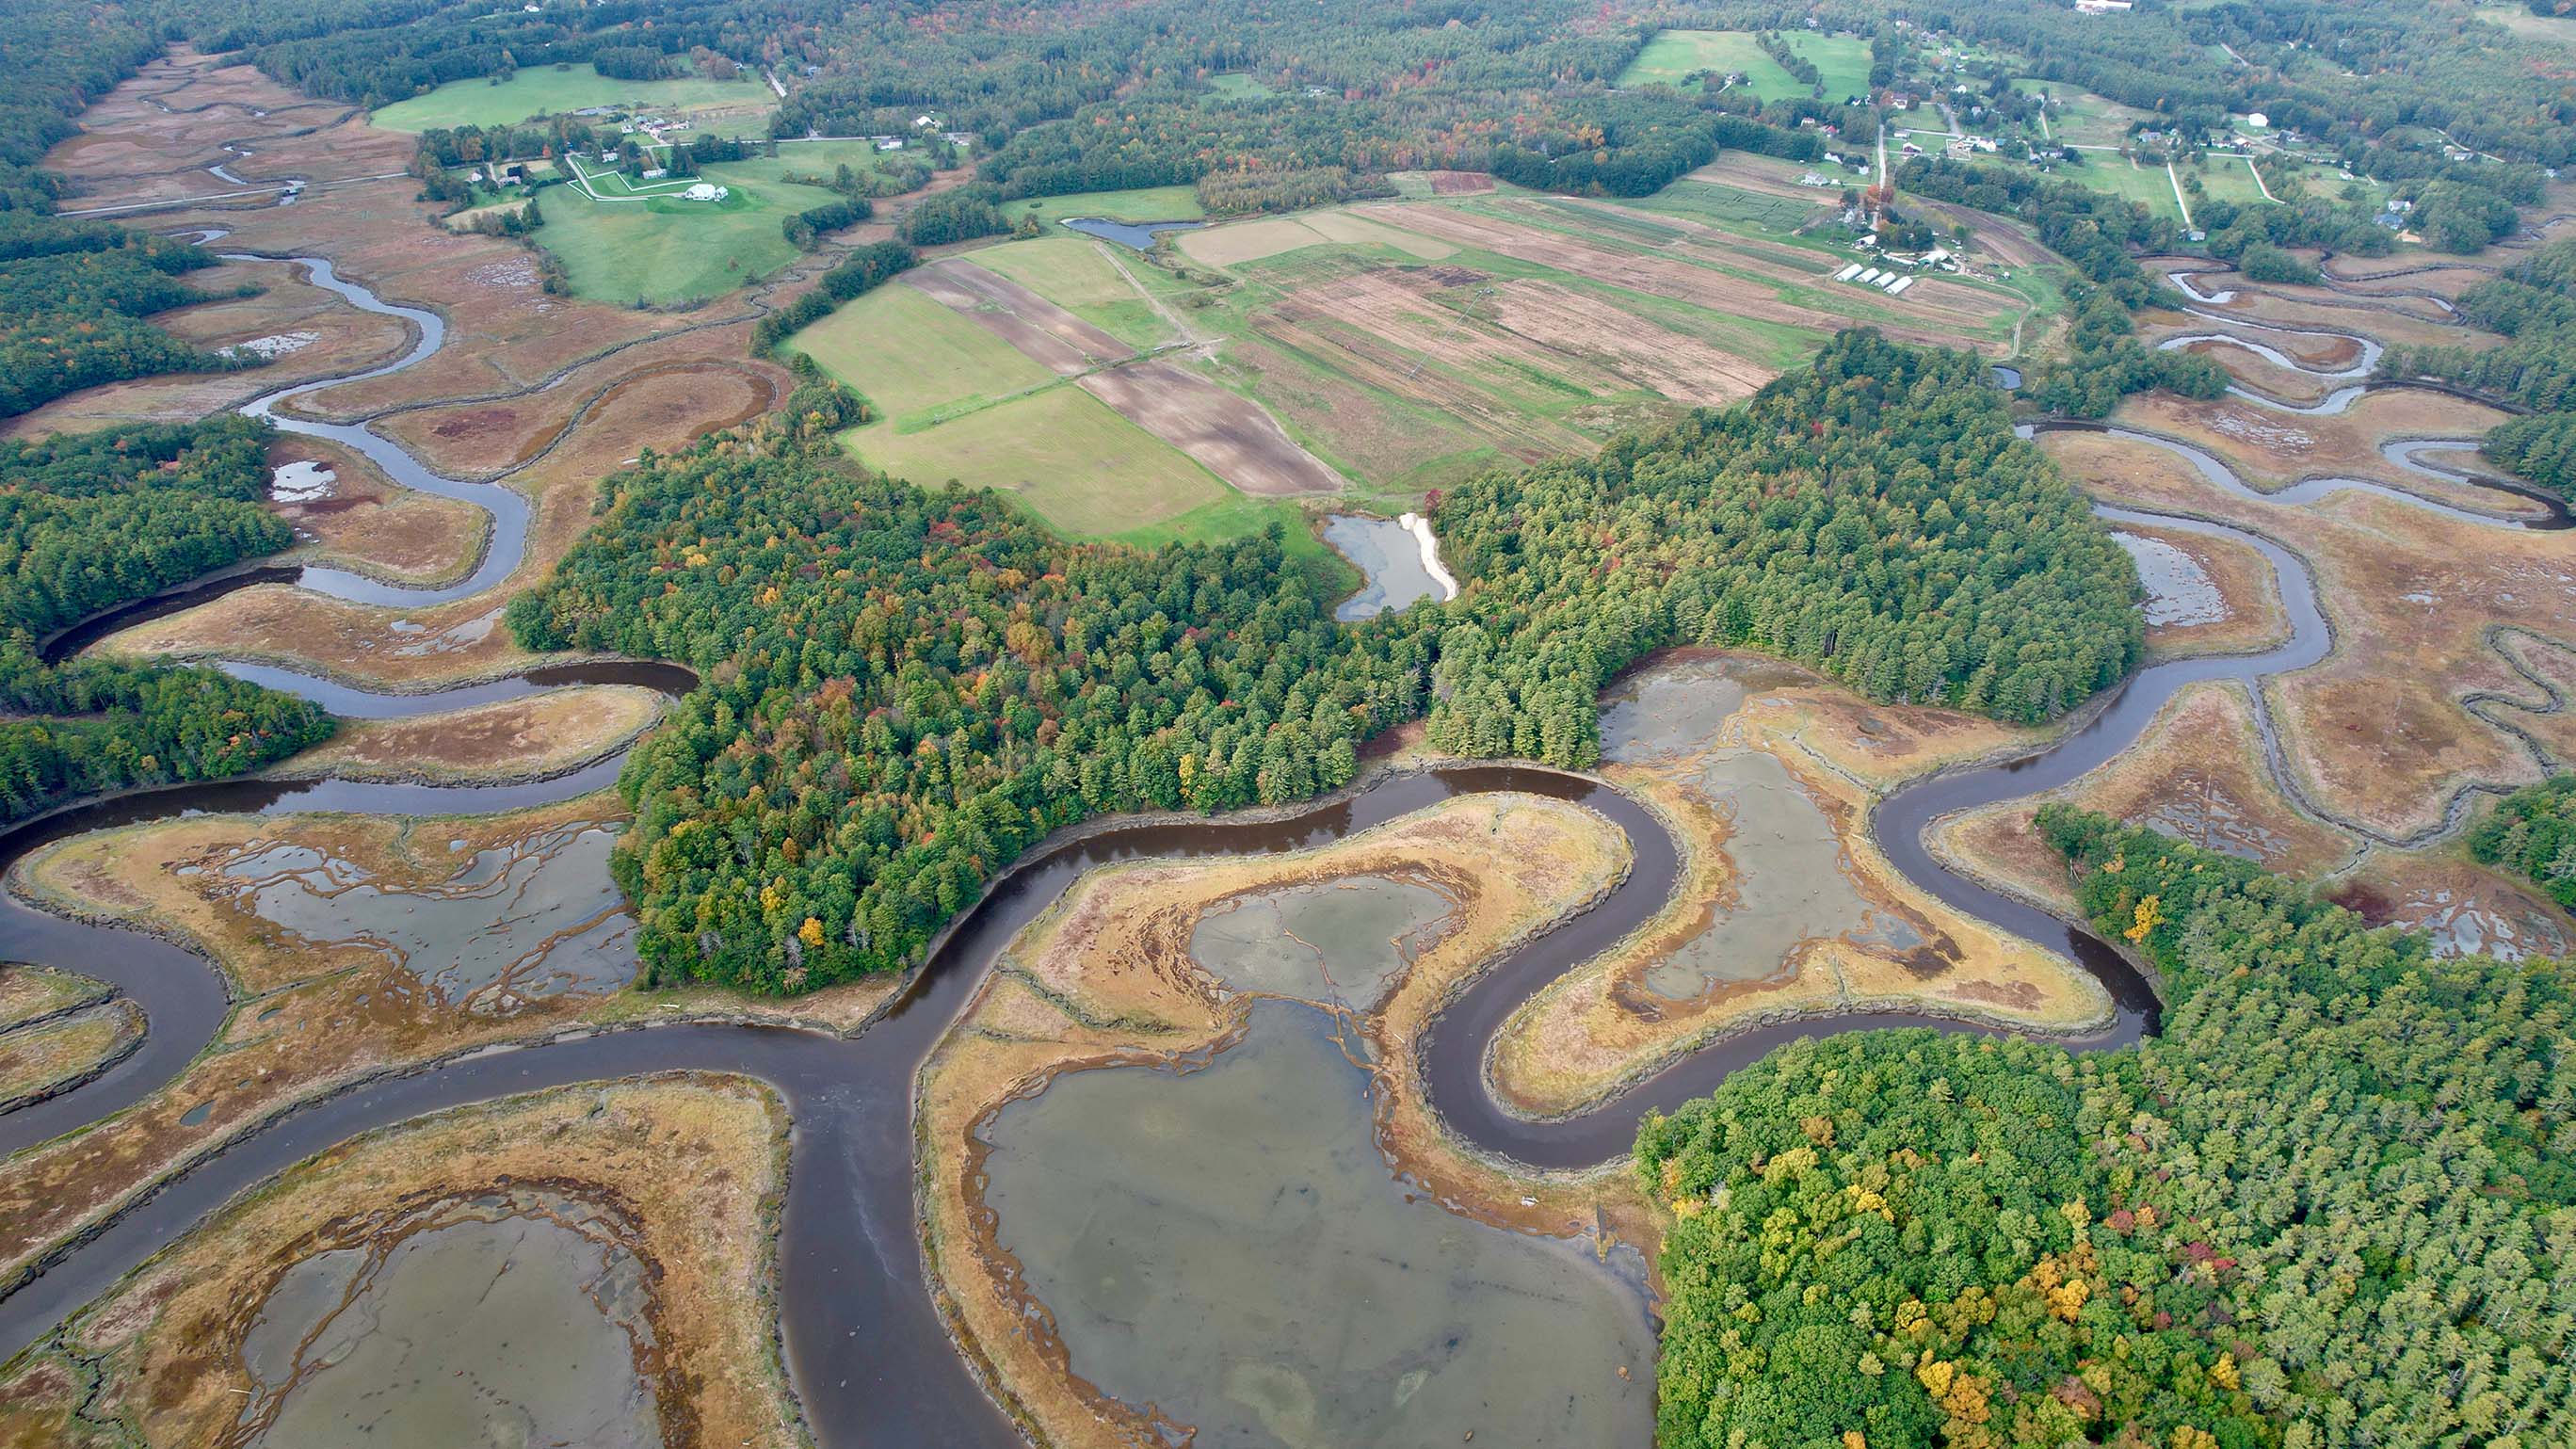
x=91, y=521
x=906, y=688
x=2332, y=1203
x=2533, y=303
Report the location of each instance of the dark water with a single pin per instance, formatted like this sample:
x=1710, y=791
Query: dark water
x=1137, y=234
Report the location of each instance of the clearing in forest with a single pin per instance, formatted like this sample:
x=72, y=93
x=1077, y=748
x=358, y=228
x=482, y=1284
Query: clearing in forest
x=551, y=91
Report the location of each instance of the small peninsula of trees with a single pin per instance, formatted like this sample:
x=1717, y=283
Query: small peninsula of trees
x=2328, y=1205
x=2533, y=834
x=905, y=689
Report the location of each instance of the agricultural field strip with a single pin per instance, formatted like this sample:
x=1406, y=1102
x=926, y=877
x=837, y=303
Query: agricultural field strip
x=1689, y=280
x=1231, y=435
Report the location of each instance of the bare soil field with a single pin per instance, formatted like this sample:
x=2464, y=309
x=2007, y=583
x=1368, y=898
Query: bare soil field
x=1037, y=328
x=1381, y=439
x=1106, y=976
x=1230, y=436
x=682, y=1175
x=1357, y=348
x=366, y=523
x=1759, y=174
x=1934, y=312
x=1250, y=241
x=517, y=739
x=1602, y=1025
x=2383, y=732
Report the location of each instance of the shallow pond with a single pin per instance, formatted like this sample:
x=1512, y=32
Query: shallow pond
x=532, y=917
x=2180, y=593
x=1790, y=883
x=1342, y=941
x=506, y=1320
x=1389, y=557
x=1226, y=1249
x=1137, y=234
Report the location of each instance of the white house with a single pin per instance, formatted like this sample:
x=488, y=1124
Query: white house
x=2258, y=120
x=925, y=123
x=706, y=191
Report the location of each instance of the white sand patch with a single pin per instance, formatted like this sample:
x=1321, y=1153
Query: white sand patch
x=277, y=344
x=301, y=483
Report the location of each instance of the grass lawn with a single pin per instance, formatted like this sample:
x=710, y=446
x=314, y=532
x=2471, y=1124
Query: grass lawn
x=2083, y=118
x=1071, y=272
x=547, y=91
x=1740, y=210
x=907, y=355
x=1077, y=463
x=664, y=251
x=1236, y=86
x=1150, y=203
x=1673, y=55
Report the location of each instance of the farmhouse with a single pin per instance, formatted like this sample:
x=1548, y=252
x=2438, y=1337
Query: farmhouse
x=705, y=191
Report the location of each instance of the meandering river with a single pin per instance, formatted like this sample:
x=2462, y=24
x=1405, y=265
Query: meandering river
x=869, y=1356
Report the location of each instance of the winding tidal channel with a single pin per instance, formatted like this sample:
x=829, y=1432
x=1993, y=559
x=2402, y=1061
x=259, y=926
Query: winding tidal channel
x=869, y=1355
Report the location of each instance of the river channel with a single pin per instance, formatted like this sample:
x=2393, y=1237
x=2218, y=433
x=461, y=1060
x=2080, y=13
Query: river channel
x=869, y=1356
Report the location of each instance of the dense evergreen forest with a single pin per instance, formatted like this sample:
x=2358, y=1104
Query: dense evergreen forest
x=2533, y=833
x=906, y=688
x=2321, y=1209
x=89, y=521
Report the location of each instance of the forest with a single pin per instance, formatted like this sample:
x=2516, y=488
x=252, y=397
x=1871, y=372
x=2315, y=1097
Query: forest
x=2336, y=1181
x=2102, y=235
x=906, y=688
x=89, y=521
x=2533, y=303
x=2533, y=834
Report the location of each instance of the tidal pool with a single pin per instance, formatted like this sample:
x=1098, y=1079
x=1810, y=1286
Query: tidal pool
x=513, y=1320
x=2179, y=591
x=534, y=917
x=1342, y=941
x=1389, y=558
x=1791, y=884
x=1224, y=1249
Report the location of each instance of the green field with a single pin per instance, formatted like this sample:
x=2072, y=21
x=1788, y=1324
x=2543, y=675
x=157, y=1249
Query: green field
x=549, y=91
x=908, y=355
x=662, y=251
x=1236, y=86
x=1674, y=55
x=1404, y=362
x=2083, y=118
x=1731, y=207
x=1073, y=273
x=1074, y=460
x=1150, y=203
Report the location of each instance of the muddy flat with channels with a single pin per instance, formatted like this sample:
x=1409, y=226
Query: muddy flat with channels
x=1225, y=1249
